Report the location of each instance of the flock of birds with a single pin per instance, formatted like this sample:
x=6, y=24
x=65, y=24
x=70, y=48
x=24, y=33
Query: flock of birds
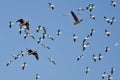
x=24, y=27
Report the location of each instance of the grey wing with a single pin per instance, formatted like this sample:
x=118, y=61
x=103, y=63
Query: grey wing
x=74, y=16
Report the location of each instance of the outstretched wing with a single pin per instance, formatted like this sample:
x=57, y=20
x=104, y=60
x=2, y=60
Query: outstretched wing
x=36, y=55
x=74, y=16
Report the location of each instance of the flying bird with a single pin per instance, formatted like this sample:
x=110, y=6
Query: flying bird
x=37, y=76
x=76, y=20
x=107, y=49
x=100, y=56
x=92, y=31
x=16, y=56
x=90, y=7
x=87, y=70
x=51, y=5
x=24, y=23
x=79, y=57
x=94, y=58
x=104, y=75
x=32, y=52
x=10, y=24
x=24, y=65
x=74, y=37
x=58, y=32
x=113, y=3
x=86, y=38
x=109, y=77
x=45, y=46
x=112, y=20
x=52, y=60
x=39, y=40
x=92, y=16
x=112, y=70
x=38, y=28
x=106, y=19
x=84, y=46
x=8, y=63
x=22, y=53
x=107, y=32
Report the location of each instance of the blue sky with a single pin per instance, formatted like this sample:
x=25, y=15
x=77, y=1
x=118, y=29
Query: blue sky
x=62, y=49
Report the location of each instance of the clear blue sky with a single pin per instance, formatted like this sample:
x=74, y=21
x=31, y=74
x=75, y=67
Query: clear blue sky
x=63, y=49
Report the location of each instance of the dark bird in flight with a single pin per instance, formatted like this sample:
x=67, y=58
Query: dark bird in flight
x=100, y=56
x=104, y=75
x=106, y=19
x=84, y=46
x=45, y=46
x=38, y=28
x=32, y=52
x=107, y=32
x=94, y=58
x=74, y=37
x=112, y=20
x=24, y=65
x=107, y=49
x=8, y=63
x=86, y=38
x=109, y=77
x=87, y=70
x=10, y=24
x=79, y=57
x=24, y=23
x=51, y=6
x=52, y=60
x=113, y=3
x=90, y=7
x=112, y=70
x=76, y=20
x=39, y=40
x=16, y=56
x=92, y=16
x=58, y=32
x=92, y=31
x=22, y=53
x=37, y=76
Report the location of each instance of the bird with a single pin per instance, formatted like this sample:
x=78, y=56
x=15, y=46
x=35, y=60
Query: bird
x=24, y=23
x=20, y=30
x=58, y=32
x=113, y=3
x=106, y=19
x=79, y=57
x=24, y=65
x=104, y=75
x=86, y=38
x=109, y=77
x=38, y=28
x=94, y=58
x=87, y=69
x=76, y=20
x=100, y=56
x=32, y=52
x=92, y=31
x=80, y=10
x=112, y=20
x=37, y=76
x=16, y=56
x=52, y=60
x=90, y=7
x=51, y=5
x=107, y=32
x=22, y=53
x=39, y=40
x=10, y=24
x=107, y=49
x=43, y=35
x=45, y=46
x=27, y=34
x=50, y=37
x=74, y=37
x=112, y=70
x=84, y=46
x=8, y=63
x=92, y=16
